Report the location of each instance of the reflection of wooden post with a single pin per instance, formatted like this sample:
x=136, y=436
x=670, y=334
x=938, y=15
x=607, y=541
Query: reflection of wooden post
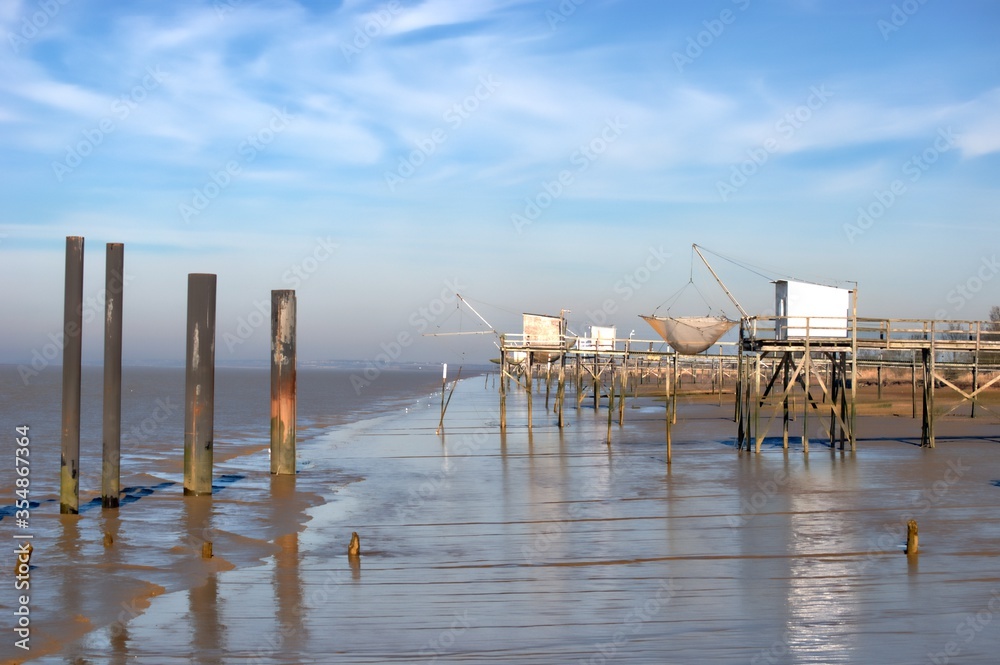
x=283, y=382
x=911, y=537
x=199, y=385
x=69, y=480
x=112, y=421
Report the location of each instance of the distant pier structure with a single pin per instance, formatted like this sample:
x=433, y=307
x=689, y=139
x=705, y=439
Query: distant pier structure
x=800, y=365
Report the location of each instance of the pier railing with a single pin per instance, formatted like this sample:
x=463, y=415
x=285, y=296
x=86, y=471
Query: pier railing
x=878, y=333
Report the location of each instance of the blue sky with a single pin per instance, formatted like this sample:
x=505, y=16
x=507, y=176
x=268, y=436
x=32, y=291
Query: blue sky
x=534, y=156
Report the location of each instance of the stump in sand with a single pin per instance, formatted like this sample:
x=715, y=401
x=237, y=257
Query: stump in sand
x=911, y=537
x=354, y=548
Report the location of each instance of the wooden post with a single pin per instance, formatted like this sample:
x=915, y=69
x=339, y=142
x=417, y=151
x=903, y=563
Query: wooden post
x=112, y=421
x=199, y=385
x=878, y=371
x=622, y=388
x=911, y=537
x=669, y=418
x=283, y=381
x=548, y=382
x=913, y=384
x=784, y=421
x=677, y=384
x=975, y=371
x=503, y=378
x=597, y=384
x=932, y=365
x=611, y=400
x=579, y=382
x=561, y=390
x=807, y=372
x=527, y=373
x=444, y=385
x=69, y=476
x=854, y=369
x=756, y=404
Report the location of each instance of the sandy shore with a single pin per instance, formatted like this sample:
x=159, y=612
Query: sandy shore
x=551, y=546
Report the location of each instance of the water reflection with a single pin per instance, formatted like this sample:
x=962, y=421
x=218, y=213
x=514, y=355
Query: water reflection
x=207, y=631
x=822, y=599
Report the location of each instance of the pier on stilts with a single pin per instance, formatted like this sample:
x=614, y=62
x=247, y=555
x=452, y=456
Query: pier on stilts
x=817, y=374
x=782, y=369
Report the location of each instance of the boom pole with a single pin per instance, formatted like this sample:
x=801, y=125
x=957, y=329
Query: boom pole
x=743, y=312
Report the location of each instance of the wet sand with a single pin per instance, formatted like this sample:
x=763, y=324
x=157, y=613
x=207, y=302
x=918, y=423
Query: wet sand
x=551, y=546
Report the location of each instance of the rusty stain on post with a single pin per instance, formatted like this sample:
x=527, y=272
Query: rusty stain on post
x=199, y=385
x=112, y=420
x=283, y=382
x=69, y=476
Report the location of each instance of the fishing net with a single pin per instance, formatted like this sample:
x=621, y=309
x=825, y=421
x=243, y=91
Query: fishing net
x=689, y=335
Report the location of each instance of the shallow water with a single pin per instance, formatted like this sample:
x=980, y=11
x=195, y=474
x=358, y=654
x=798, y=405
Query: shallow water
x=554, y=547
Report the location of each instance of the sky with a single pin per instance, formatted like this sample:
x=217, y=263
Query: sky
x=532, y=156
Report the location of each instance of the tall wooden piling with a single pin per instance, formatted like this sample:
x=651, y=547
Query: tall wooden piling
x=283, y=398
x=69, y=476
x=112, y=420
x=199, y=385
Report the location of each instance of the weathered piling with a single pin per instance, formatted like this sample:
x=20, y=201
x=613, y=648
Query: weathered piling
x=112, y=417
x=199, y=385
x=283, y=398
x=69, y=477
x=444, y=386
x=911, y=537
x=503, y=379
